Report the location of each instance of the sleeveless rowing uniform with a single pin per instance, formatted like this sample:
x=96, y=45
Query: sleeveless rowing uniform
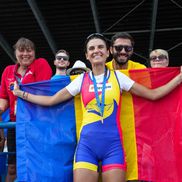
x=100, y=136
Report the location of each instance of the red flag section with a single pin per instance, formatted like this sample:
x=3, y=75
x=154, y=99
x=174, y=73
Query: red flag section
x=158, y=128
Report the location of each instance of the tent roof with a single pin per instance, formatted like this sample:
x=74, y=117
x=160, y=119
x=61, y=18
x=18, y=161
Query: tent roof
x=64, y=24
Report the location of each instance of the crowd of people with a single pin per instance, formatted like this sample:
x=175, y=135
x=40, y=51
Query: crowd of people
x=103, y=125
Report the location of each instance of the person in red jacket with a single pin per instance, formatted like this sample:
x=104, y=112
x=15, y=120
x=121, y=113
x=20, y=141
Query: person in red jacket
x=28, y=69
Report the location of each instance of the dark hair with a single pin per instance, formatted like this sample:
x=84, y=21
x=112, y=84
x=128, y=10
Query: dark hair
x=63, y=51
x=95, y=36
x=24, y=43
x=123, y=35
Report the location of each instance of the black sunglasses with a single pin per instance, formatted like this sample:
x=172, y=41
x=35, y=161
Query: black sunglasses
x=65, y=58
x=127, y=48
x=160, y=58
x=95, y=35
x=77, y=71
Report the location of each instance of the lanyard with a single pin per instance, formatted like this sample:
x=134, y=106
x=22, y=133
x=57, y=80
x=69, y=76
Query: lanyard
x=100, y=103
x=18, y=79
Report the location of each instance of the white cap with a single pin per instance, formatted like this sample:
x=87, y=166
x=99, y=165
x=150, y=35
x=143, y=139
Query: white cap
x=78, y=65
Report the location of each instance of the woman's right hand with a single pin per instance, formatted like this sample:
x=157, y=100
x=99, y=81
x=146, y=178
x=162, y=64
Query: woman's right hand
x=16, y=91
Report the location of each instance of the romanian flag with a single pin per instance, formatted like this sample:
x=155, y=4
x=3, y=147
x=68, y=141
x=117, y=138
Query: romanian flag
x=152, y=132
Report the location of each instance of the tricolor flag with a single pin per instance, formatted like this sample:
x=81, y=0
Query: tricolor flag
x=152, y=132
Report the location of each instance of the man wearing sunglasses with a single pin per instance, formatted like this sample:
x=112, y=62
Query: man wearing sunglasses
x=61, y=63
x=121, y=49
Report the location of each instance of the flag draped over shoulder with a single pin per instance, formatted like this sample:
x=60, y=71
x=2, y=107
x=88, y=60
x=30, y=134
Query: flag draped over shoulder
x=152, y=132
x=46, y=136
x=153, y=129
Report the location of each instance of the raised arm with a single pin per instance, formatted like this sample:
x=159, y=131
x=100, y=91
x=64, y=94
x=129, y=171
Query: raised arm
x=59, y=97
x=157, y=93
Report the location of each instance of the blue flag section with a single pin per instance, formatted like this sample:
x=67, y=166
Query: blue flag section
x=46, y=136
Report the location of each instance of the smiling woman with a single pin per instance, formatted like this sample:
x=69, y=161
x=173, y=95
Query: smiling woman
x=25, y=54
x=28, y=69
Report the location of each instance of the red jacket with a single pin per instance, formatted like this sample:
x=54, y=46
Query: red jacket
x=39, y=70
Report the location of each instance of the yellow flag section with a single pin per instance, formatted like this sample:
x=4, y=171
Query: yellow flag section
x=128, y=130
x=78, y=110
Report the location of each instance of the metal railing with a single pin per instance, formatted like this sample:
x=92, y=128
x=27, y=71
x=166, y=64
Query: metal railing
x=6, y=125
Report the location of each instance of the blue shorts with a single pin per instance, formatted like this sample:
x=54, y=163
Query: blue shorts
x=94, y=147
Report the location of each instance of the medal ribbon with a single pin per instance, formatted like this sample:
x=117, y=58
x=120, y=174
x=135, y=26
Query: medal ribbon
x=101, y=103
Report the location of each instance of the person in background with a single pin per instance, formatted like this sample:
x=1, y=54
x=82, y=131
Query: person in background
x=28, y=69
x=61, y=63
x=100, y=90
x=159, y=58
x=122, y=45
x=78, y=68
x=121, y=49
